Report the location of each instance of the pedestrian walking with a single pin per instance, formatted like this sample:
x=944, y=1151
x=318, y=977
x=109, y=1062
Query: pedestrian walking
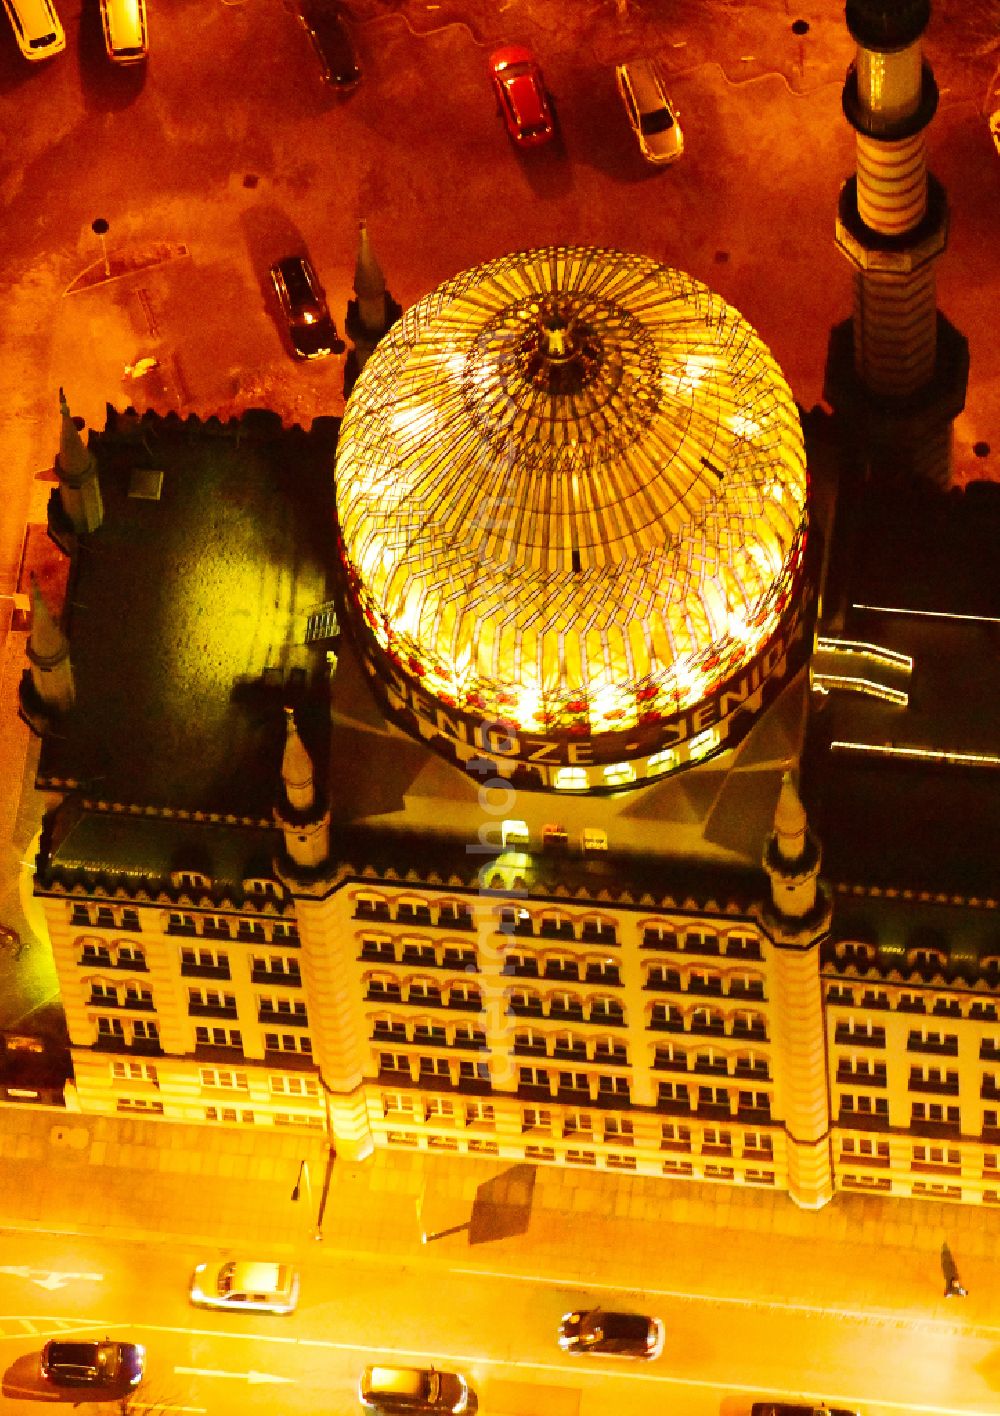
x=953, y=1286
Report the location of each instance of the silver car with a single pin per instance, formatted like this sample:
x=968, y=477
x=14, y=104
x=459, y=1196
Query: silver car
x=246, y=1286
x=654, y=119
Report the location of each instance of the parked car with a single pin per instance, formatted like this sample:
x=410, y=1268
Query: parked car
x=418, y=1389
x=611, y=1334
x=303, y=304
x=246, y=1286
x=521, y=96
x=326, y=27
x=125, y=35
x=792, y=1408
x=37, y=28
x=654, y=119
x=93, y=1364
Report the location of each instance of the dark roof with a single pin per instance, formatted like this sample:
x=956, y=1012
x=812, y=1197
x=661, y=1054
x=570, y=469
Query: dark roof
x=125, y=849
x=562, y=877
x=187, y=614
x=908, y=796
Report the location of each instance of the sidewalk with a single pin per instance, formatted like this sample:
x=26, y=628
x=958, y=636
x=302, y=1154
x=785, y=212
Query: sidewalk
x=219, y=1186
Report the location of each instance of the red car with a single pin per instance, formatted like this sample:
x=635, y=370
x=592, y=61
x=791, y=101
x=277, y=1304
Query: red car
x=521, y=95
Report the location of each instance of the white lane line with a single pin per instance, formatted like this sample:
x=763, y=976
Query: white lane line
x=165, y=1406
x=563, y=1370
x=254, y=1378
x=897, y=1317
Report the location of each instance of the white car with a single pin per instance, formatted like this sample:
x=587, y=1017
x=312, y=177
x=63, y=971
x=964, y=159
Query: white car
x=654, y=119
x=246, y=1286
x=36, y=27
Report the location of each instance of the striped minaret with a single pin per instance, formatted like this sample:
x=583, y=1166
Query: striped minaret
x=797, y=920
x=892, y=225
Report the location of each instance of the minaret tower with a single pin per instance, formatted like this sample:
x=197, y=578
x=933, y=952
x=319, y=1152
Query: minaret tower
x=76, y=468
x=898, y=369
x=371, y=314
x=47, y=688
x=337, y=1023
x=306, y=829
x=797, y=921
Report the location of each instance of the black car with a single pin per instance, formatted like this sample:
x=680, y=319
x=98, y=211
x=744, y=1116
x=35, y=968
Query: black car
x=793, y=1408
x=614, y=1334
x=303, y=304
x=93, y=1364
x=325, y=25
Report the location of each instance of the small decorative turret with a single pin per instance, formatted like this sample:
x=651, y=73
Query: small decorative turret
x=371, y=314
x=76, y=468
x=46, y=690
x=306, y=828
x=296, y=767
x=792, y=856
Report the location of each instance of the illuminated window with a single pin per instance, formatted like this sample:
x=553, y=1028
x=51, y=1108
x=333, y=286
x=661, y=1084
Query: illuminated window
x=514, y=833
x=571, y=779
x=661, y=762
x=702, y=744
x=619, y=774
x=594, y=840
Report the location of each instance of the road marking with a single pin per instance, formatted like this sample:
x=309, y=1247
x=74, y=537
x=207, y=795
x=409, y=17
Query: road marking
x=899, y=1318
x=254, y=1378
x=49, y=1278
x=165, y=1406
x=562, y=1370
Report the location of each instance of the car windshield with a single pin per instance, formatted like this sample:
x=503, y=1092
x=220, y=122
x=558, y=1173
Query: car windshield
x=657, y=122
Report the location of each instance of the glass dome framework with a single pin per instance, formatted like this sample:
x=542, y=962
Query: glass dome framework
x=572, y=503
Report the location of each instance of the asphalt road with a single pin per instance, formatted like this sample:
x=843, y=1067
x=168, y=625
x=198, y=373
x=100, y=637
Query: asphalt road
x=721, y=1350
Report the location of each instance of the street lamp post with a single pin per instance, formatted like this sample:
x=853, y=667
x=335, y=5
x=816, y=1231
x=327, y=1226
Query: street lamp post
x=100, y=228
x=303, y=1181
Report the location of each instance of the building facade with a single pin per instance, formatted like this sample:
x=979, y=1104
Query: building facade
x=462, y=814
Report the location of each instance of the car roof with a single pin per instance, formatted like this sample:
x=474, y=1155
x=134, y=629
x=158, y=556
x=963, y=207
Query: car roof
x=623, y=1324
x=250, y=1275
x=645, y=82
x=525, y=98
x=74, y=1351
x=403, y=1381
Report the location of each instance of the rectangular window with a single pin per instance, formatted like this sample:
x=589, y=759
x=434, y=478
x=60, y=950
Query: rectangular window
x=534, y=1118
x=134, y=1072
x=294, y=1086
x=224, y=1078
x=287, y=1042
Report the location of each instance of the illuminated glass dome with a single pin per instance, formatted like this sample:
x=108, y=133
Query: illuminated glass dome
x=571, y=495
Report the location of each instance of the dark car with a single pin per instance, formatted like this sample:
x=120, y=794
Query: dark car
x=406, y=1389
x=93, y=1364
x=303, y=304
x=613, y=1334
x=793, y=1408
x=331, y=39
x=521, y=96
